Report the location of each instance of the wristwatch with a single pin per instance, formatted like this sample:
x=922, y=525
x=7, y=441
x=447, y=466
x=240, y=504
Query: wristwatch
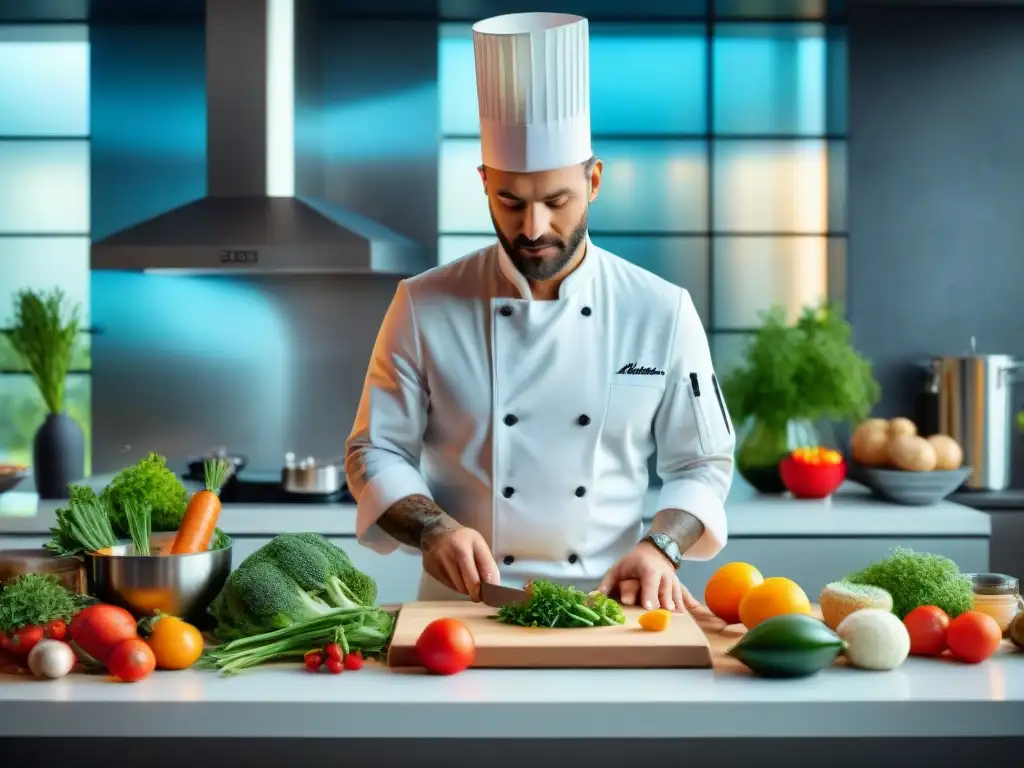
x=668, y=547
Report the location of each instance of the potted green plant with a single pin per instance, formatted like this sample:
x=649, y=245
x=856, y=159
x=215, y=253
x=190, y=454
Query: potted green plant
x=793, y=378
x=43, y=334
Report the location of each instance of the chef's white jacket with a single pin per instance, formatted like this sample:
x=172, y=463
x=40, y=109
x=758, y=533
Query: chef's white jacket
x=533, y=421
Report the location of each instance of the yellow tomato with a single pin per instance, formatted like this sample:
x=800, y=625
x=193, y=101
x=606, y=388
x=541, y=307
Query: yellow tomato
x=175, y=644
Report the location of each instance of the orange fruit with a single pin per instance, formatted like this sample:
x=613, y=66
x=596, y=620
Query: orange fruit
x=727, y=587
x=776, y=596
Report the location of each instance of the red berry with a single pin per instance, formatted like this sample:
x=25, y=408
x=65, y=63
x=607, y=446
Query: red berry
x=313, y=661
x=354, y=661
x=335, y=666
x=333, y=651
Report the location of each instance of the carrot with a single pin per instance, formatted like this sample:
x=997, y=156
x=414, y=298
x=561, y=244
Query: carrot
x=202, y=512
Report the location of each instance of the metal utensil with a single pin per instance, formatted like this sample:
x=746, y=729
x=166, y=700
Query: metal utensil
x=311, y=476
x=974, y=408
x=179, y=585
x=498, y=596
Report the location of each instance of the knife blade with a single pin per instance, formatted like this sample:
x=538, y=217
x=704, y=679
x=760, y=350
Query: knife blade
x=498, y=596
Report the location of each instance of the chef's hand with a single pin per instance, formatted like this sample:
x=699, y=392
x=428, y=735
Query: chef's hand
x=460, y=559
x=646, y=573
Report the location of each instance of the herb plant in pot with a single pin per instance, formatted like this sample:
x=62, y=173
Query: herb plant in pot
x=795, y=377
x=44, y=334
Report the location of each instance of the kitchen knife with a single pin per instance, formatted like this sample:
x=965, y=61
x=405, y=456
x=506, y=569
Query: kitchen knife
x=498, y=596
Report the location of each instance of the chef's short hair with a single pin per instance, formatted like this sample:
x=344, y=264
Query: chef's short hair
x=588, y=166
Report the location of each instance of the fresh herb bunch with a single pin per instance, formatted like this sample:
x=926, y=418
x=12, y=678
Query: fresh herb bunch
x=803, y=371
x=919, y=578
x=553, y=605
x=43, y=334
x=35, y=599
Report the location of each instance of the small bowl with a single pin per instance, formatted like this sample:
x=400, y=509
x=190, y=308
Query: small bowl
x=11, y=475
x=913, y=489
x=811, y=481
x=179, y=585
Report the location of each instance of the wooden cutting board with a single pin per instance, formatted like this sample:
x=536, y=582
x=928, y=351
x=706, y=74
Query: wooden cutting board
x=498, y=645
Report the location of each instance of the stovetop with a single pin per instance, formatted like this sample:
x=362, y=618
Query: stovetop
x=264, y=487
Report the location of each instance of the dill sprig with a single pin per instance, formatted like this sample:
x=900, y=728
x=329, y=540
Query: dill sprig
x=43, y=334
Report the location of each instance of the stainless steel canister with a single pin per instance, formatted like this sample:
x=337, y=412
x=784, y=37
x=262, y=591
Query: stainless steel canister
x=975, y=406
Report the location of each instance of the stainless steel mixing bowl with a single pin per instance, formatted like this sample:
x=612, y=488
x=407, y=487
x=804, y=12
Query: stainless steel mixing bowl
x=179, y=585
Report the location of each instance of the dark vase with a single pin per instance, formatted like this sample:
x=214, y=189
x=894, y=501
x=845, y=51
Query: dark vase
x=58, y=456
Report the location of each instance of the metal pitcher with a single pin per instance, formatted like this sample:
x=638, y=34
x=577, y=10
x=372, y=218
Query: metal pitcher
x=975, y=404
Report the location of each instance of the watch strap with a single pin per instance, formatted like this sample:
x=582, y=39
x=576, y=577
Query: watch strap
x=667, y=546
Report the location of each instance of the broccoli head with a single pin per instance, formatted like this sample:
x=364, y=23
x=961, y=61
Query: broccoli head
x=292, y=578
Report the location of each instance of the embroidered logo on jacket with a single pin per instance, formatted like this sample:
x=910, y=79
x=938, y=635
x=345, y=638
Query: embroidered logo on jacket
x=632, y=369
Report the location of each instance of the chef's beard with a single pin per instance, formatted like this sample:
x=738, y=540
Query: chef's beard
x=541, y=268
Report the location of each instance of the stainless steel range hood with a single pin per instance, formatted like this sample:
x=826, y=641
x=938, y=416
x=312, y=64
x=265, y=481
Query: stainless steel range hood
x=251, y=220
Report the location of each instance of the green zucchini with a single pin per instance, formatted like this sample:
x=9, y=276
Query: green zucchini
x=790, y=645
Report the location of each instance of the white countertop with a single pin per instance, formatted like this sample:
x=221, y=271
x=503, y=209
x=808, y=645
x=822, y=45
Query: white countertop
x=924, y=697
x=852, y=512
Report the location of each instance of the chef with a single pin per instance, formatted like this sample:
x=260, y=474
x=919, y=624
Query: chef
x=514, y=396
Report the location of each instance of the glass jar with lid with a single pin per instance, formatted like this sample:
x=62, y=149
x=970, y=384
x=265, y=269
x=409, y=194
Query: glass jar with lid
x=997, y=595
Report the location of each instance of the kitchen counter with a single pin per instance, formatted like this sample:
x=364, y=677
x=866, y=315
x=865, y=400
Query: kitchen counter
x=701, y=710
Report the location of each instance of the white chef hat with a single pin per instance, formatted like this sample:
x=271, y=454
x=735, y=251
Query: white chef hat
x=533, y=90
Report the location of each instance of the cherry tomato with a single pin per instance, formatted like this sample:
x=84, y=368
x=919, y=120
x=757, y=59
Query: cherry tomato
x=446, y=646
x=132, y=660
x=175, y=643
x=313, y=660
x=21, y=641
x=334, y=666
x=927, y=626
x=973, y=636
x=354, y=661
x=56, y=629
x=333, y=651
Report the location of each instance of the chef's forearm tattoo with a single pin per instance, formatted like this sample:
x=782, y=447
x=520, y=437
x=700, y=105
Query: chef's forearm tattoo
x=684, y=528
x=410, y=519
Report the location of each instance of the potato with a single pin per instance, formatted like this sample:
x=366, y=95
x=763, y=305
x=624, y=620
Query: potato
x=948, y=453
x=912, y=453
x=902, y=426
x=870, y=443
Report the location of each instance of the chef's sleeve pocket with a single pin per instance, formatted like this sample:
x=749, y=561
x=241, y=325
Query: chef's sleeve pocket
x=710, y=415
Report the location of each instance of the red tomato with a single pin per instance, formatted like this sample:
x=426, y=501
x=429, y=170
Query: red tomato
x=131, y=660
x=973, y=636
x=21, y=641
x=98, y=629
x=56, y=629
x=446, y=647
x=927, y=626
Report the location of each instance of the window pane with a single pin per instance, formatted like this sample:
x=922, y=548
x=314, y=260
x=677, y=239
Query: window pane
x=837, y=81
x=44, y=81
x=680, y=260
x=728, y=351
x=24, y=412
x=44, y=263
x=770, y=78
x=461, y=200
x=44, y=186
x=452, y=247
x=771, y=186
x=752, y=274
x=651, y=186
x=644, y=79
x=647, y=79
